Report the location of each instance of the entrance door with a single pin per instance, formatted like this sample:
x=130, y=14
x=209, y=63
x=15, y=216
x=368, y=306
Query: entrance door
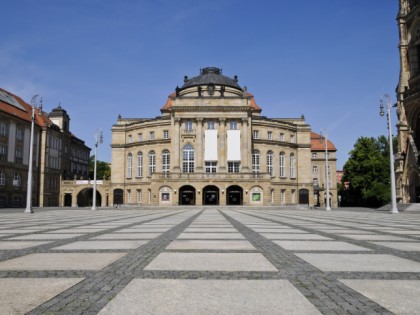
x=234, y=195
x=67, y=200
x=187, y=196
x=118, y=197
x=210, y=195
x=303, y=197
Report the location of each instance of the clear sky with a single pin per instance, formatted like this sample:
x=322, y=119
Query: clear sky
x=330, y=60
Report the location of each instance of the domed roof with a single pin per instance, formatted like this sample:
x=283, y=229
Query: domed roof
x=57, y=112
x=211, y=75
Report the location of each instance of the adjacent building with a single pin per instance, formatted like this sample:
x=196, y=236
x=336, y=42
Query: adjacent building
x=408, y=103
x=212, y=146
x=58, y=154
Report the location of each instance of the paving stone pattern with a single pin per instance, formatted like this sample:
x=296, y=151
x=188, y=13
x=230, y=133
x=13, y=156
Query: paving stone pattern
x=209, y=260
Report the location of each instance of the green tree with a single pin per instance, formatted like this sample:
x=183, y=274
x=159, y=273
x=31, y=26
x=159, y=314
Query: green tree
x=103, y=170
x=367, y=171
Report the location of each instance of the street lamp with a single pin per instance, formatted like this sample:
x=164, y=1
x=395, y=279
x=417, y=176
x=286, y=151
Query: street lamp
x=394, y=208
x=31, y=155
x=324, y=136
x=98, y=139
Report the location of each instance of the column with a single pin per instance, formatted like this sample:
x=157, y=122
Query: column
x=245, y=145
x=222, y=145
x=175, y=144
x=199, y=137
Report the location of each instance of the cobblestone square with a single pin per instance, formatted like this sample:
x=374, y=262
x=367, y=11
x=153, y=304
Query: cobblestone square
x=209, y=260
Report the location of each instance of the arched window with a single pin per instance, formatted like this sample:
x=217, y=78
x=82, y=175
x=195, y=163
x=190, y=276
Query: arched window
x=165, y=161
x=139, y=164
x=2, y=178
x=129, y=165
x=152, y=162
x=188, y=159
x=282, y=164
x=270, y=163
x=255, y=161
x=292, y=166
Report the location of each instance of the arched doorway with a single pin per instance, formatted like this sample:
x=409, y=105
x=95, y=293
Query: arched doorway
x=304, y=197
x=84, y=198
x=67, y=200
x=210, y=195
x=234, y=195
x=187, y=195
x=118, y=196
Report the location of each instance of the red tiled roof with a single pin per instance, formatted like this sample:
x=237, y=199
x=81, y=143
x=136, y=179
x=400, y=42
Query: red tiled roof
x=316, y=144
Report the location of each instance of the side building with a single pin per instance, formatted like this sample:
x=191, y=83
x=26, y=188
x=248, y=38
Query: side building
x=212, y=146
x=57, y=153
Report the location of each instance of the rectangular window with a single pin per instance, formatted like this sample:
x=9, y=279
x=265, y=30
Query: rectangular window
x=139, y=137
x=255, y=134
x=138, y=195
x=315, y=182
x=233, y=125
x=211, y=167
x=19, y=134
x=283, y=196
x=210, y=125
x=256, y=162
x=152, y=163
x=188, y=125
x=282, y=165
x=130, y=139
x=129, y=196
x=18, y=159
x=233, y=167
x=139, y=164
x=292, y=167
x=152, y=135
x=3, y=152
x=315, y=169
x=165, y=134
x=292, y=197
x=269, y=135
x=292, y=138
x=3, y=129
x=282, y=137
x=165, y=161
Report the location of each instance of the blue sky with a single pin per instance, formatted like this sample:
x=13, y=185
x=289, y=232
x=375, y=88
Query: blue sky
x=330, y=60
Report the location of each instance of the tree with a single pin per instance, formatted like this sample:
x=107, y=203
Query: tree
x=103, y=170
x=367, y=171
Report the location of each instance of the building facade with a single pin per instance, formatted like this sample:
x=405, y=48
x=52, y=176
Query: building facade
x=408, y=103
x=57, y=153
x=212, y=146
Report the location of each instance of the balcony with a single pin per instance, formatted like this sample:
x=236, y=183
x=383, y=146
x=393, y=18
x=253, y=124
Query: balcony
x=211, y=176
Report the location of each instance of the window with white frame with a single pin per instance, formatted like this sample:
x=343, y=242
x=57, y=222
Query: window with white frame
x=255, y=134
x=165, y=134
x=270, y=163
x=283, y=196
x=210, y=125
x=188, y=159
x=211, y=167
x=139, y=137
x=130, y=139
x=282, y=169
x=233, y=167
x=315, y=169
x=2, y=178
x=139, y=164
x=281, y=136
x=152, y=162
x=129, y=196
x=269, y=135
x=151, y=135
x=292, y=166
x=188, y=125
x=19, y=134
x=138, y=195
x=3, y=129
x=314, y=155
x=129, y=165
x=165, y=161
x=16, y=180
x=233, y=125
x=256, y=161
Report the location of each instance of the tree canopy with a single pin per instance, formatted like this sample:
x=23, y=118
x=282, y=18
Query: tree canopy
x=103, y=170
x=368, y=174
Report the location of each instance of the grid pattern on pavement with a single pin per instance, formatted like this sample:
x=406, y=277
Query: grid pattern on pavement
x=121, y=261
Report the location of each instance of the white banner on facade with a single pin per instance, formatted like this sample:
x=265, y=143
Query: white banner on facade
x=210, y=150
x=233, y=145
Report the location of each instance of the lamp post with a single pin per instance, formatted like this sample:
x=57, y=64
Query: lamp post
x=324, y=136
x=31, y=156
x=394, y=208
x=98, y=139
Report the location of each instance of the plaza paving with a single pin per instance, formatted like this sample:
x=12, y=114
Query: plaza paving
x=196, y=260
